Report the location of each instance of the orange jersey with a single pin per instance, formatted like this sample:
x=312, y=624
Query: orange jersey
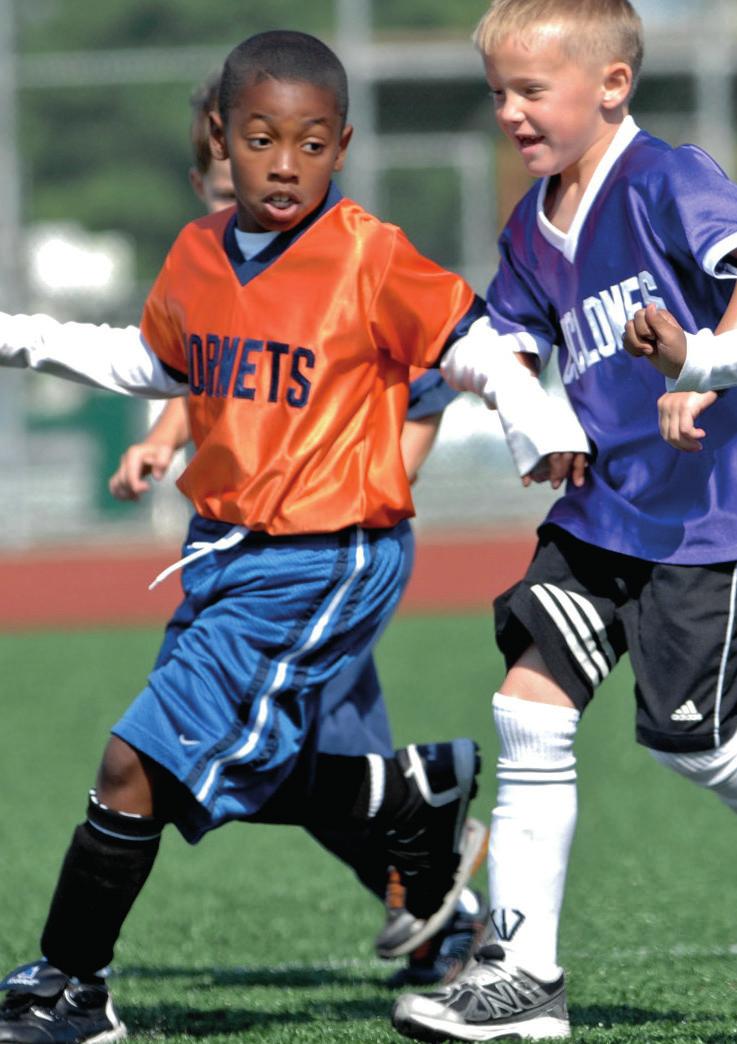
x=298, y=376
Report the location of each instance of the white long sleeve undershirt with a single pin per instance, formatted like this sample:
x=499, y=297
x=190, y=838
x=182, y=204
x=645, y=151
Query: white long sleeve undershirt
x=115, y=358
x=119, y=359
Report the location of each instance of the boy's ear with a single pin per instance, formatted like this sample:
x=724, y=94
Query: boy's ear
x=616, y=85
x=195, y=180
x=218, y=143
x=345, y=137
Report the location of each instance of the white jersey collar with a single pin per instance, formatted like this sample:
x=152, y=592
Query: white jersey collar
x=567, y=242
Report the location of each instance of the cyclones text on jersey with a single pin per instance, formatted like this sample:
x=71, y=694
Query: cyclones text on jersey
x=604, y=317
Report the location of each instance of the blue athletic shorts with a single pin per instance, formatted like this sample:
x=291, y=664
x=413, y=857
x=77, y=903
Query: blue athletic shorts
x=353, y=718
x=263, y=630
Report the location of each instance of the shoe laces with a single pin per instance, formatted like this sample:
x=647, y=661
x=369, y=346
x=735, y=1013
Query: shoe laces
x=489, y=966
x=16, y=1003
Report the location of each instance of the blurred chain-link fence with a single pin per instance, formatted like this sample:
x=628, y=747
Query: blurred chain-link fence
x=425, y=155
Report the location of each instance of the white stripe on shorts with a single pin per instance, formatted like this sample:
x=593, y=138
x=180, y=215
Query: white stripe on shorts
x=724, y=660
x=597, y=624
x=577, y=635
x=280, y=676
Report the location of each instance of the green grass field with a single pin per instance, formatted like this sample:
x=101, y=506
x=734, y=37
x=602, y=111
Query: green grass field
x=258, y=935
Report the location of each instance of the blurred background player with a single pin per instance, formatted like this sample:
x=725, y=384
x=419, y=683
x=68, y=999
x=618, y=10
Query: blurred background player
x=353, y=715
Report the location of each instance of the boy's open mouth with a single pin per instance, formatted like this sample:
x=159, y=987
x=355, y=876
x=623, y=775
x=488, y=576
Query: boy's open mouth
x=281, y=204
x=526, y=141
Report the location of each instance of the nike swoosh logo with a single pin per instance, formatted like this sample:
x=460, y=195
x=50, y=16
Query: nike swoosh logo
x=188, y=742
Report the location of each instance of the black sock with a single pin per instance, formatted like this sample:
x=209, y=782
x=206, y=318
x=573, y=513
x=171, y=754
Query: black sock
x=106, y=866
x=357, y=789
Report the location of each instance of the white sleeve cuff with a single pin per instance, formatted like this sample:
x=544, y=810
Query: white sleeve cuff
x=115, y=358
x=711, y=362
x=480, y=361
x=536, y=423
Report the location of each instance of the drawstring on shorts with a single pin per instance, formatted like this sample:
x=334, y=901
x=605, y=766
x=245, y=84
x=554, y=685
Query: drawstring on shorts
x=202, y=547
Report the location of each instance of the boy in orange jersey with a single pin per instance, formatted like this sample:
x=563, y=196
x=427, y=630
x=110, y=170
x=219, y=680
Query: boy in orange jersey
x=290, y=323
x=353, y=717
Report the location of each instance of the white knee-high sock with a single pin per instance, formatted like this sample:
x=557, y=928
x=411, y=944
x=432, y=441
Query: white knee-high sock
x=532, y=828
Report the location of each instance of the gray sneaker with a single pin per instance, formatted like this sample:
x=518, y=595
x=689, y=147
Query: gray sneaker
x=493, y=999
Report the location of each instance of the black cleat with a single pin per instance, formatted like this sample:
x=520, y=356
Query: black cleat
x=442, y=959
x=429, y=843
x=45, y=1006
x=493, y=999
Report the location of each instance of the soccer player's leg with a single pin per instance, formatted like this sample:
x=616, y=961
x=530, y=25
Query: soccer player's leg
x=687, y=690
x=63, y=996
x=353, y=720
x=414, y=805
x=516, y=986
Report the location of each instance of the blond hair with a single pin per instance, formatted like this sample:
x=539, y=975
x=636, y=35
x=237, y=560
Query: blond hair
x=606, y=30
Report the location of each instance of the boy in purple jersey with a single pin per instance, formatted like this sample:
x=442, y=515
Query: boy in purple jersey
x=629, y=560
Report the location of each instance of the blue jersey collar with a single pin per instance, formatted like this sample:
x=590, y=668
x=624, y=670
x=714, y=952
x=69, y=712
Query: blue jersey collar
x=246, y=270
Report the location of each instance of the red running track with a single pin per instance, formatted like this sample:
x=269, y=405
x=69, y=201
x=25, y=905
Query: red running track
x=78, y=587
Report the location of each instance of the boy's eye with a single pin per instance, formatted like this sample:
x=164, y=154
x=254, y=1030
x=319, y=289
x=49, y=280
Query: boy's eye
x=258, y=141
x=497, y=97
x=313, y=147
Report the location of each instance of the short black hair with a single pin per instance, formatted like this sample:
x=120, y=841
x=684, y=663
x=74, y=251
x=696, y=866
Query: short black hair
x=282, y=54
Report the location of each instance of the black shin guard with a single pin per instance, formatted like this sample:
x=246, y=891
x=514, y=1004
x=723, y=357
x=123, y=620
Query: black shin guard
x=106, y=866
x=357, y=789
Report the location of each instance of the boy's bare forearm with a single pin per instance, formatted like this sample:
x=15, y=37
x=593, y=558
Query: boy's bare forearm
x=418, y=438
x=114, y=358
x=171, y=427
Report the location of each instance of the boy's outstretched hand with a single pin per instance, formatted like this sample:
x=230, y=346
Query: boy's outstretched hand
x=137, y=463
x=656, y=335
x=557, y=467
x=677, y=413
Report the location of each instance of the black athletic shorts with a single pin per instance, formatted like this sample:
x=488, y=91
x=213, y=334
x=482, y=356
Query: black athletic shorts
x=583, y=607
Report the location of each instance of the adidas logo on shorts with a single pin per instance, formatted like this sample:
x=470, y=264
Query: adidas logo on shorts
x=687, y=712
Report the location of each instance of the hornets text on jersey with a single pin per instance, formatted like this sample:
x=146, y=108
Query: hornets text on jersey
x=298, y=369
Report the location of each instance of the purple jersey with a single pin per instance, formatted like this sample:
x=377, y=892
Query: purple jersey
x=655, y=224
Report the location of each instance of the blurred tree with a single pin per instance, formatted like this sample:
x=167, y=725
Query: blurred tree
x=460, y=16
x=49, y=25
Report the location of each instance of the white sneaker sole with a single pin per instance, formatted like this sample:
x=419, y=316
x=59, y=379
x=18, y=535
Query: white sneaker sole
x=426, y=1027
x=474, y=843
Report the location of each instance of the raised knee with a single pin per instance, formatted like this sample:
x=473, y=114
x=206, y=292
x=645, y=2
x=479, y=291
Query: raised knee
x=123, y=782
x=535, y=740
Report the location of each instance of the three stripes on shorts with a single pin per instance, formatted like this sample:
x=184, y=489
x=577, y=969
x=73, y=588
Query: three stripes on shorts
x=582, y=628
